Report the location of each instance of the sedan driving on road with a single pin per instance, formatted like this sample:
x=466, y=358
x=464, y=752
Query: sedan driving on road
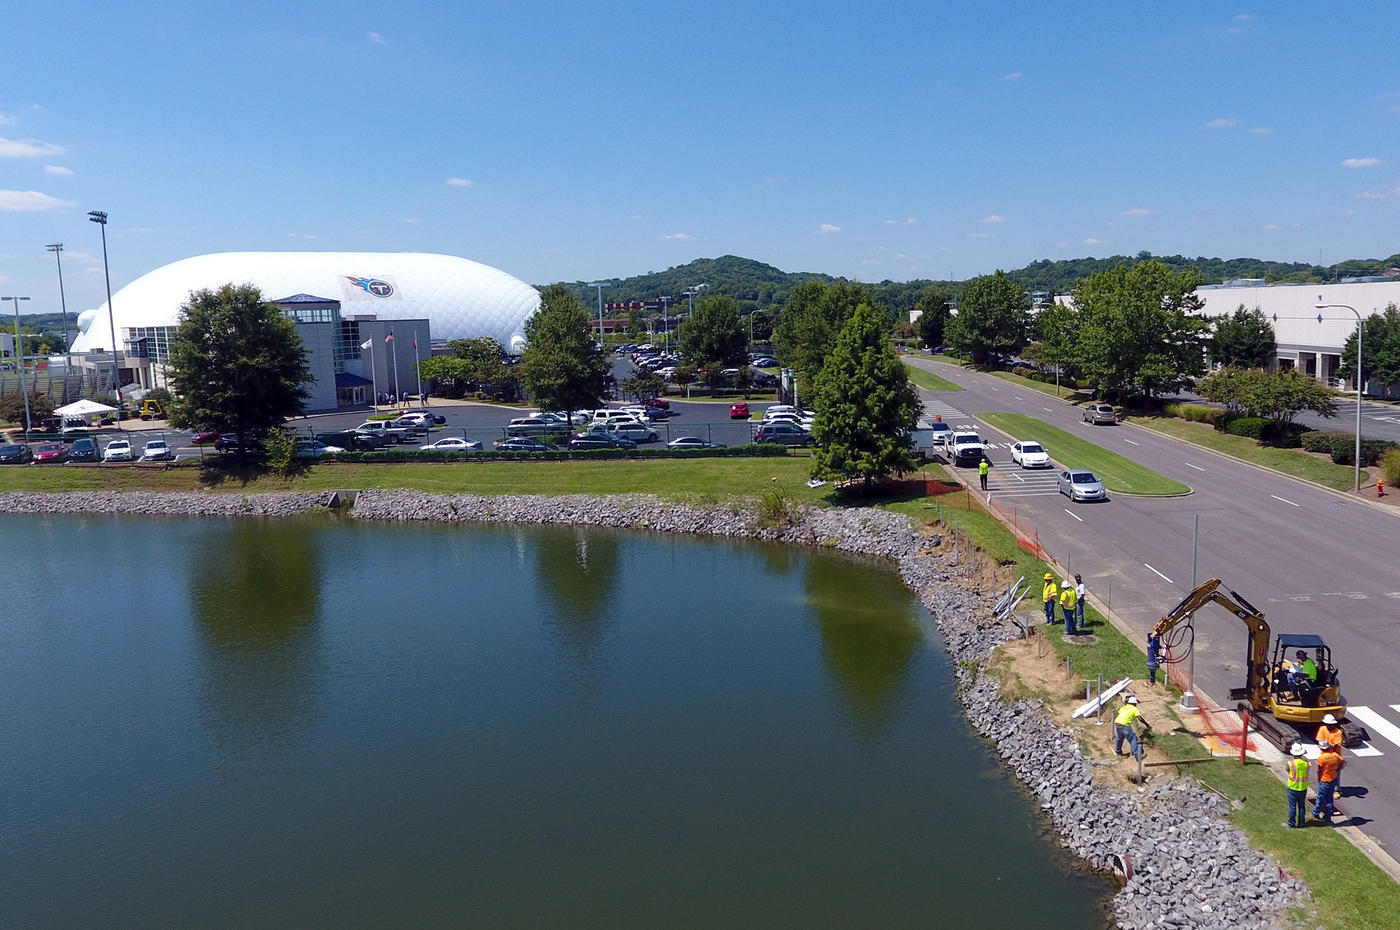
x=1030, y=454
x=1100, y=413
x=1082, y=486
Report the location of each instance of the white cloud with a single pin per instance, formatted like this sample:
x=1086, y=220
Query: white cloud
x=870, y=261
x=58, y=170
x=1262, y=130
x=907, y=221
x=460, y=182
x=1013, y=76
x=1223, y=122
x=81, y=256
x=28, y=148
x=678, y=237
x=410, y=219
x=994, y=218
x=374, y=39
x=1391, y=190
x=140, y=229
x=979, y=235
x=1246, y=17
x=1361, y=162
x=1092, y=241
x=32, y=202
x=7, y=120
x=1139, y=211
x=4, y=280
x=827, y=229
x=302, y=236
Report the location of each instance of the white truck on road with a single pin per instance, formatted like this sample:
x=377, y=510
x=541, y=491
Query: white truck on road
x=967, y=448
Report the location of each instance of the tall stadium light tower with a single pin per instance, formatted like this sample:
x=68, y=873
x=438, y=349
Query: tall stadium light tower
x=600, y=285
x=1320, y=306
x=100, y=218
x=56, y=248
x=19, y=364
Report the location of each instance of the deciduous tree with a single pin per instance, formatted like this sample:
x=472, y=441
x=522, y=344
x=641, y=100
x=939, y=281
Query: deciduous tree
x=935, y=303
x=809, y=323
x=236, y=362
x=993, y=317
x=1244, y=339
x=713, y=333
x=562, y=366
x=865, y=404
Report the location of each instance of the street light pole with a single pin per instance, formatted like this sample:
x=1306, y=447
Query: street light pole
x=100, y=218
x=19, y=364
x=665, y=325
x=600, y=285
x=56, y=248
x=1320, y=306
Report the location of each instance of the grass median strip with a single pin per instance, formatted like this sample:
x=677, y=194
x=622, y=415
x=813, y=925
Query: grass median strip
x=1293, y=462
x=1118, y=474
x=1062, y=391
x=930, y=381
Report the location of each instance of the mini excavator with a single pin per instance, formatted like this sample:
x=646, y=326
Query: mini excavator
x=1283, y=705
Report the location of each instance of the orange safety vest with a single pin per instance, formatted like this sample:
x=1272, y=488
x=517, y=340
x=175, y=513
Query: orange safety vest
x=1332, y=735
x=1329, y=765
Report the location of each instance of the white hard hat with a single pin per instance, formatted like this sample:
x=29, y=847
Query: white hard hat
x=1132, y=699
x=1330, y=720
x=1297, y=749
x=1065, y=583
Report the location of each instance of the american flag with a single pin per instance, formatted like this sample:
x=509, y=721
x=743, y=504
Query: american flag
x=390, y=337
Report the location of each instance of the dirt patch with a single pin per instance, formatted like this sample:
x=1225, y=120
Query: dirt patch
x=1024, y=674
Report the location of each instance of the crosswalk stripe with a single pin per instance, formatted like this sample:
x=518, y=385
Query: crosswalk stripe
x=1375, y=722
x=1365, y=750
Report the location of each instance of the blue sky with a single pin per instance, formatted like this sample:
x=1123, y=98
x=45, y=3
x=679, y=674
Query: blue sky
x=560, y=141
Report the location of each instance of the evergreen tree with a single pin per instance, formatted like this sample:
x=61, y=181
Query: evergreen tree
x=1380, y=351
x=993, y=318
x=1244, y=339
x=865, y=404
x=562, y=366
x=236, y=362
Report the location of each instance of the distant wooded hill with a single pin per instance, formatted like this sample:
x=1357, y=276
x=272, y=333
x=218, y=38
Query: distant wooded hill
x=755, y=282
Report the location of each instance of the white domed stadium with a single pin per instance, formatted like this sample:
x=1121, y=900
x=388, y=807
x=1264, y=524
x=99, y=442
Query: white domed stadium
x=338, y=299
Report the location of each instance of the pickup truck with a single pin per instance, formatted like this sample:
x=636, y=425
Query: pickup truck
x=967, y=448
x=388, y=430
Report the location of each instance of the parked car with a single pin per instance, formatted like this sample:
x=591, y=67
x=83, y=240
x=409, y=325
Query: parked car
x=1082, y=486
x=1100, y=413
x=16, y=455
x=437, y=418
x=1029, y=454
x=637, y=432
x=694, y=442
x=776, y=409
x=83, y=450
x=50, y=452
x=789, y=434
x=205, y=436
x=585, y=442
x=452, y=444
x=942, y=433
x=765, y=362
x=418, y=421
x=806, y=421
x=352, y=439
x=739, y=411
x=533, y=426
x=157, y=450
x=967, y=448
x=387, y=430
x=524, y=444
x=118, y=450
x=313, y=449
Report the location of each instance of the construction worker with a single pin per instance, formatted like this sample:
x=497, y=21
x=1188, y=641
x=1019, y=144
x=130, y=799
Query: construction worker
x=982, y=468
x=1048, y=594
x=1154, y=657
x=1297, y=786
x=1067, y=602
x=1302, y=673
x=1128, y=715
x=1331, y=733
x=1080, y=592
x=1329, y=770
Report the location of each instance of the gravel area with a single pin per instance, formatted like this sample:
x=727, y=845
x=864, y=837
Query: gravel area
x=1191, y=867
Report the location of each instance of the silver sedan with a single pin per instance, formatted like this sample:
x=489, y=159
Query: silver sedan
x=1082, y=486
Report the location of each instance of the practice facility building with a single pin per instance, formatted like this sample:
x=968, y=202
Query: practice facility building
x=364, y=317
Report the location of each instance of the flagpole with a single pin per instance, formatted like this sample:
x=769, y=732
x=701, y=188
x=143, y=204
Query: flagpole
x=416, y=360
x=373, y=377
x=395, y=349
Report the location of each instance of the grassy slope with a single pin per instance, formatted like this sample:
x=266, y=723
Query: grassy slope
x=1293, y=462
x=929, y=381
x=1063, y=391
x=1117, y=473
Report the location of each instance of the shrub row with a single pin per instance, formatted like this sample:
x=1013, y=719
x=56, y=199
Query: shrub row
x=396, y=456
x=1195, y=413
x=1261, y=429
x=1340, y=446
x=1390, y=467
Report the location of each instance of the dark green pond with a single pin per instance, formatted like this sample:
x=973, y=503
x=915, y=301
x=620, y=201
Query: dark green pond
x=326, y=724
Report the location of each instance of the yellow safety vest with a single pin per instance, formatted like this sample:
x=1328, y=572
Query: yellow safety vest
x=1298, y=774
x=982, y=468
x=1049, y=591
x=1127, y=716
x=1067, y=598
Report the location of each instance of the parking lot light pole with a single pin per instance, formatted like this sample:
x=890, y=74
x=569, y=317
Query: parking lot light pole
x=1320, y=306
x=56, y=248
x=19, y=364
x=100, y=218
x=665, y=325
x=600, y=285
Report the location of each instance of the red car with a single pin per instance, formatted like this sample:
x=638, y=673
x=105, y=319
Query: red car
x=739, y=411
x=204, y=436
x=50, y=452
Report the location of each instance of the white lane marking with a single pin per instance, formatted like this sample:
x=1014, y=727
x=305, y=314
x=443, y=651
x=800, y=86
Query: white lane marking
x=996, y=389
x=1019, y=397
x=1047, y=409
x=1375, y=722
x=1285, y=500
x=1130, y=442
x=1197, y=467
x=1019, y=478
x=1159, y=574
x=1079, y=518
x=1365, y=750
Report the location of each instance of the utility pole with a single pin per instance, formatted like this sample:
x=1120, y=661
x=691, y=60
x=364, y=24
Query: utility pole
x=19, y=364
x=600, y=285
x=56, y=248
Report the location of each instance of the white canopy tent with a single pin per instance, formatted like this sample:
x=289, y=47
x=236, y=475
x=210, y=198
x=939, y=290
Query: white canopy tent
x=84, y=408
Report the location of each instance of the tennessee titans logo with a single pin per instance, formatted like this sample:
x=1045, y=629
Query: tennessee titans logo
x=373, y=286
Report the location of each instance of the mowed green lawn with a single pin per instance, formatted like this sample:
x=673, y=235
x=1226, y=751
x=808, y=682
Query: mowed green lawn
x=928, y=380
x=1117, y=473
x=677, y=479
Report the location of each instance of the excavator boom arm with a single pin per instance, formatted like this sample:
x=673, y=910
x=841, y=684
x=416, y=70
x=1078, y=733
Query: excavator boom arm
x=1257, y=660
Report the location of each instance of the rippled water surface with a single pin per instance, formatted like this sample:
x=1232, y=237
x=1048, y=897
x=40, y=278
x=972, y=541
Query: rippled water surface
x=320, y=723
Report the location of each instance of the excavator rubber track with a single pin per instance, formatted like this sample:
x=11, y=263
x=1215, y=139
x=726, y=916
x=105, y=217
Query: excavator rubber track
x=1283, y=735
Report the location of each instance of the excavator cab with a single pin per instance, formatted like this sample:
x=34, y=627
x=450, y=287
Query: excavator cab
x=1296, y=697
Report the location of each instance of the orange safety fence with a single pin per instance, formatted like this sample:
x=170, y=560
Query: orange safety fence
x=1027, y=536
x=1223, y=724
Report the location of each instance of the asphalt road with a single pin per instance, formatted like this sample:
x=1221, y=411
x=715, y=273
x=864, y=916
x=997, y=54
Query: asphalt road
x=1311, y=560
x=1378, y=421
